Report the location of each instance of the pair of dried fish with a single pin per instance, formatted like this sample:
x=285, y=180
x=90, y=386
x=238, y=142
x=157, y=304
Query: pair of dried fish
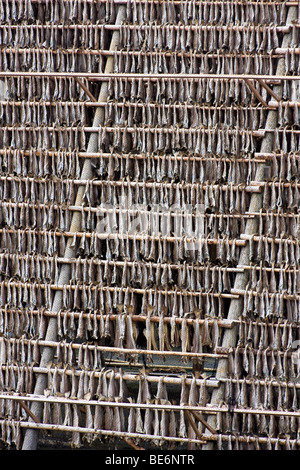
x=228, y=442
x=269, y=252
x=47, y=242
x=159, y=227
x=45, y=191
x=19, y=378
x=190, y=338
x=44, y=138
x=284, y=278
x=53, y=36
x=263, y=303
x=264, y=396
x=124, y=331
x=224, y=13
x=22, y=322
x=176, y=196
x=53, y=12
x=17, y=294
x=185, y=166
x=216, y=141
x=272, y=305
x=98, y=417
x=11, y=433
x=20, y=35
x=274, y=224
x=261, y=393
x=263, y=362
x=39, y=216
x=194, y=12
x=184, y=114
x=30, y=267
x=216, y=92
x=23, y=351
x=32, y=241
x=19, y=351
x=48, y=60
x=13, y=11
x=276, y=335
x=39, y=113
x=100, y=298
x=247, y=426
x=41, y=88
x=41, y=163
x=206, y=38
x=182, y=302
x=81, y=327
x=139, y=273
x=276, y=196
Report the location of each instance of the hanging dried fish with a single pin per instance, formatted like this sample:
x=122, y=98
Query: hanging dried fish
x=131, y=333
x=185, y=342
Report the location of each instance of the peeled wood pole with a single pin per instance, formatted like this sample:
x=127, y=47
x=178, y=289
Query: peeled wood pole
x=31, y=436
x=105, y=76
x=236, y=306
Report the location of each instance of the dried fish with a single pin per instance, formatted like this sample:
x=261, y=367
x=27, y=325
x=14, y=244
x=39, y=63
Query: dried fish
x=185, y=338
x=160, y=276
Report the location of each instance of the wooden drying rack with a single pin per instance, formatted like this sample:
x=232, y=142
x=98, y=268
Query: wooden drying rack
x=289, y=3
x=153, y=76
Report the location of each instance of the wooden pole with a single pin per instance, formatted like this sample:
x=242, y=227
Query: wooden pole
x=230, y=337
x=31, y=437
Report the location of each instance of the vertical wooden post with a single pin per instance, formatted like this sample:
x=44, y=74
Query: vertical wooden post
x=230, y=337
x=31, y=436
